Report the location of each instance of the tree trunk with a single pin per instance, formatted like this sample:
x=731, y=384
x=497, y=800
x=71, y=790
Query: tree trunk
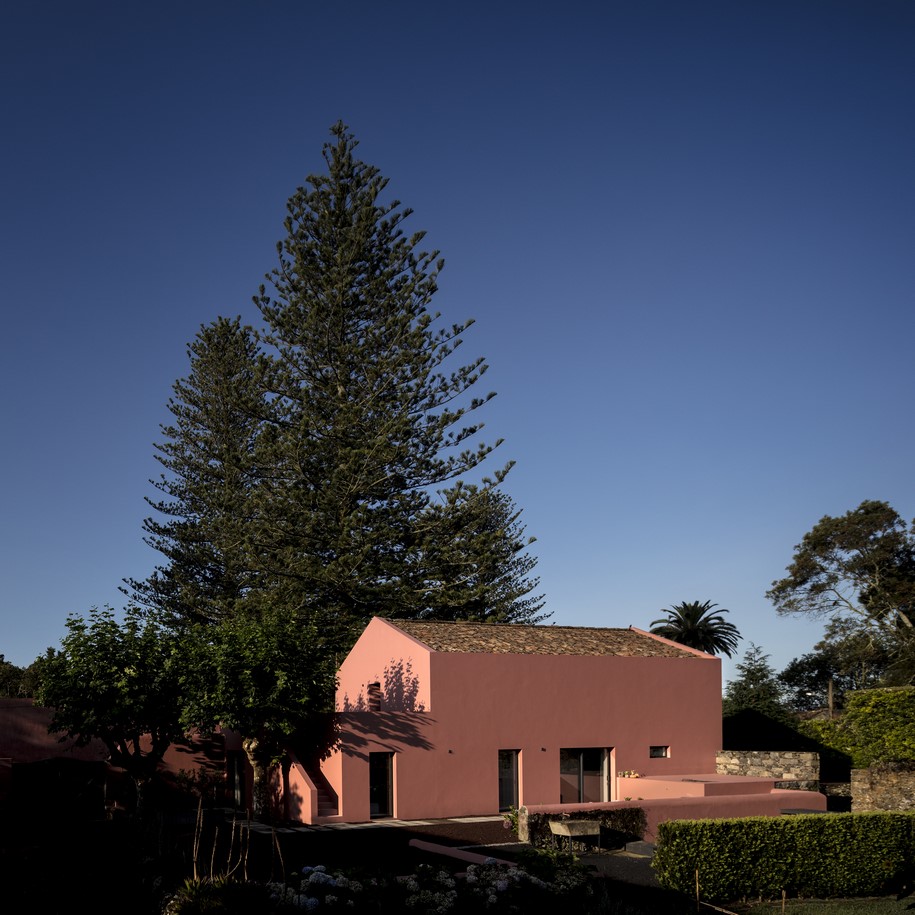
x=260, y=794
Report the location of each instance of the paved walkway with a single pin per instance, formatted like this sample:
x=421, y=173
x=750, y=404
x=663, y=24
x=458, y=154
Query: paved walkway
x=371, y=824
x=631, y=864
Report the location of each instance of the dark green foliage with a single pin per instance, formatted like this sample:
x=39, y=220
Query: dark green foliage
x=116, y=682
x=695, y=625
x=818, y=855
x=209, y=481
x=877, y=726
x=218, y=895
x=322, y=463
x=367, y=422
x=10, y=678
x=860, y=567
x=266, y=674
x=756, y=689
x=477, y=565
x=20, y=682
x=849, y=657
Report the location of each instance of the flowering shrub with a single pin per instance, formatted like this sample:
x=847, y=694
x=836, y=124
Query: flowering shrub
x=482, y=887
x=430, y=890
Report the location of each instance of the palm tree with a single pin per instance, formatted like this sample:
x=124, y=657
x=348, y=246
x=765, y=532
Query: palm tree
x=696, y=626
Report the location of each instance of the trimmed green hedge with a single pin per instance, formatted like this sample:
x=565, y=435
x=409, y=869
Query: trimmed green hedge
x=807, y=855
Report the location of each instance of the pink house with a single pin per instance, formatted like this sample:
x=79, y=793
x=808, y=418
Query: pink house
x=460, y=719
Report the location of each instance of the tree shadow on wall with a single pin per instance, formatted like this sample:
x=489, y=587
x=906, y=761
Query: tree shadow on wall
x=396, y=691
x=391, y=712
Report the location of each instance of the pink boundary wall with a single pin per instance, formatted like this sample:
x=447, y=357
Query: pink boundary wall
x=762, y=800
x=702, y=808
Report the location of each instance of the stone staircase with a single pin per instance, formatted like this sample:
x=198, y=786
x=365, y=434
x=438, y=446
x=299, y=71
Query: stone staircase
x=328, y=805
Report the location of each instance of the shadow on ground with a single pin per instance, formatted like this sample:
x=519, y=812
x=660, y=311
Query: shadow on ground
x=49, y=868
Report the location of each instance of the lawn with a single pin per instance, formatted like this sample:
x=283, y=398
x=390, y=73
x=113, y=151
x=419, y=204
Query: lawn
x=881, y=906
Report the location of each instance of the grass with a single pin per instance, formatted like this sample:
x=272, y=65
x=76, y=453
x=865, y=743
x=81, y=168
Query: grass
x=886, y=905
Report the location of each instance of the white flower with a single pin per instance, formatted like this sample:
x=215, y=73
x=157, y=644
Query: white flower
x=319, y=878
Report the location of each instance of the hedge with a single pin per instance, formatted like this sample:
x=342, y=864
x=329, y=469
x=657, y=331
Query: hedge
x=806, y=855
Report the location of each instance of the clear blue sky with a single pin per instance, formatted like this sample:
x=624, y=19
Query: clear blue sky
x=686, y=231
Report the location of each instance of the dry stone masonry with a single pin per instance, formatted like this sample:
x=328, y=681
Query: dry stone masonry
x=790, y=768
x=882, y=789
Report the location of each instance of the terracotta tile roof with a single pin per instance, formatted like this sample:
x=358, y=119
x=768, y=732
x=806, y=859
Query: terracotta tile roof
x=493, y=638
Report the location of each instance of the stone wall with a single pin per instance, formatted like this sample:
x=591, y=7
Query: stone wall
x=790, y=768
x=882, y=789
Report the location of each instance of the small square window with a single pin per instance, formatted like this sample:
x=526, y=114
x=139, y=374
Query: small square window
x=658, y=752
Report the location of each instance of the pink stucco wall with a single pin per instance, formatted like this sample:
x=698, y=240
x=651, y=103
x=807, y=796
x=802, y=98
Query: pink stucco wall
x=660, y=810
x=385, y=655
x=446, y=756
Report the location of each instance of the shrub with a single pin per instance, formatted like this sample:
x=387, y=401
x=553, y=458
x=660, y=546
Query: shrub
x=430, y=889
x=877, y=726
x=864, y=854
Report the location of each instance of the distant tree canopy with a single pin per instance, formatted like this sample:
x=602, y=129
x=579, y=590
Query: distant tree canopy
x=860, y=568
x=323, y=463
x=756, y=688
x=698, y=625
x=10, y=678
x=849, y=657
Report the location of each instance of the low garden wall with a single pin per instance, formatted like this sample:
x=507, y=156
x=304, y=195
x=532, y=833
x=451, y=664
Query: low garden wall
x=883, y=788
x=619, y=820
x=533, y=822
x=792, y=769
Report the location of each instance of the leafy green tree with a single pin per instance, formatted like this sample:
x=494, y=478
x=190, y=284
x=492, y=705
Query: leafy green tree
x=265, y=674
x=118, y=683
x=756, y=688
x=849, y=657
x=861, y=567
x=208, y=455
x=698, y=625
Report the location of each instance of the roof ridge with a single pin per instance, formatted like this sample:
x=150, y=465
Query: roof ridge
x=473, y=636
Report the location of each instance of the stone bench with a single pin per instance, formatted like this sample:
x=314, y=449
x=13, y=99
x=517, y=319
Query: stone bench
x=575, y=829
